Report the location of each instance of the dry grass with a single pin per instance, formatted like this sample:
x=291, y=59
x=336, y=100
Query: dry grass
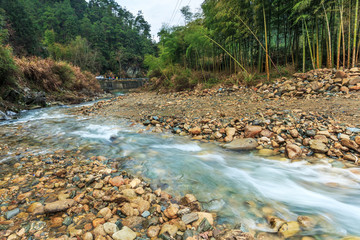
x=50, y=75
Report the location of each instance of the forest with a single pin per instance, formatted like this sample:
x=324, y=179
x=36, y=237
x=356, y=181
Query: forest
x=99, y=36
x=257, y=38
x=227, y=40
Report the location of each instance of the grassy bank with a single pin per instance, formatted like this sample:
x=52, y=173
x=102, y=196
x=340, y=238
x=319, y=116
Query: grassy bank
x=32, y=81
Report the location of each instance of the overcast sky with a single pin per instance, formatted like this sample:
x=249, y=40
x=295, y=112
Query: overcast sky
x=157, y=12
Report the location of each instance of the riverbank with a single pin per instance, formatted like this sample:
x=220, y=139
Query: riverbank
x=313, y=128
x=76, y=162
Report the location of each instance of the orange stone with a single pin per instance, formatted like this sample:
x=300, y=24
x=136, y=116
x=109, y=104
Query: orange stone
x=116, y=181
x=98, y=221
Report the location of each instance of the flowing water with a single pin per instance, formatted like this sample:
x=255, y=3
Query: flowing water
x=241, y=187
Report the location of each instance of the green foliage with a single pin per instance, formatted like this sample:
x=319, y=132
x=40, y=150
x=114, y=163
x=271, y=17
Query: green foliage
x=90, y=34
x=8, y=67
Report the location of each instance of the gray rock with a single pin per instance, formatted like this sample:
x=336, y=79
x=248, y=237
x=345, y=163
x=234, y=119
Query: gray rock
x=110, y=228
x=189, y=218
x=3, y=116
x=12, y=213
x=242, y=144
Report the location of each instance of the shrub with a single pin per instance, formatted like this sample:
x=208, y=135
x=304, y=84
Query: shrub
x=8, y=68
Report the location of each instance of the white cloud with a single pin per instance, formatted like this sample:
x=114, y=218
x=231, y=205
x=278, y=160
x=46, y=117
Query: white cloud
x=157, y=12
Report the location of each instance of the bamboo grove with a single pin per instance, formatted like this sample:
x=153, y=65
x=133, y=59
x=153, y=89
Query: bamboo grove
x=248, y=36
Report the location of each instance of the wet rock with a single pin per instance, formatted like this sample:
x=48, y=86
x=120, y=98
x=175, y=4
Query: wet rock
x=12, y=213
x=266, y=152
x=202, y=215
x=275, y=222
x=110, y=228
x=117, y=181
x=234, y=234
x=124, y=234
x=289, y=229
x=293, y=151
x=318, y=146
x=242, y=144
x=171, y=211
x=306, y=222
x=252, y=131
x=204, y=226
x=189, y=218
x=59, y=206
x=3, y=116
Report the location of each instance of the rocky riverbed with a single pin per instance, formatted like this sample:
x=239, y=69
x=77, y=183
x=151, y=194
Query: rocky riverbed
x=272, y=118
x=63, y=176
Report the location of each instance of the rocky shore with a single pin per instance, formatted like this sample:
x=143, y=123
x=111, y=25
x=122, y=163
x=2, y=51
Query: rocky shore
x=321, y=123
x=65, y=195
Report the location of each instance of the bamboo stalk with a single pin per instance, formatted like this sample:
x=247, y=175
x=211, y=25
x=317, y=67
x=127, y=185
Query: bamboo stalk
x=266, y=47
x=355, y=32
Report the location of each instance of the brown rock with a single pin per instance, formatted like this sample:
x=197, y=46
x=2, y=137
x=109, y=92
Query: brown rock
x=171, y=211
x=56, y=222
x=59, y=206
x=294, y=133
x=117, y=181
x=350, y=144
x=318, y=146
x=98, y=221
x=252, y=131
x=340, y=74
x=266, y=133
x=127, y=209
x=354, y=81
x=104, y=213
x=36, y=208
x=357, y=140
x=195, y=131
x=306, y=222
x=293, y=151
x=153, y=231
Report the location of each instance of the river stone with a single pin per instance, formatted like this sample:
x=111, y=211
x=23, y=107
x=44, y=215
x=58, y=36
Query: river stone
x=318, y=146
x=189, y=218
x=3, y=116
x=351, y=238
x=153, y=231
x=88, y=236
x=203, y=215
x=12, y=213
x=171, y=229
x=110, y=228
x=252, y=131
x=293, y=151
x=289, y=229
x=306, y=222
x=242, y=144
x=124, y=234
x=171, y=211
x=266, y=152
x=350, y=144
x=36, y=208
x=59, y=206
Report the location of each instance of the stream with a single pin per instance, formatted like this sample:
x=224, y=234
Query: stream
x=241, y=188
